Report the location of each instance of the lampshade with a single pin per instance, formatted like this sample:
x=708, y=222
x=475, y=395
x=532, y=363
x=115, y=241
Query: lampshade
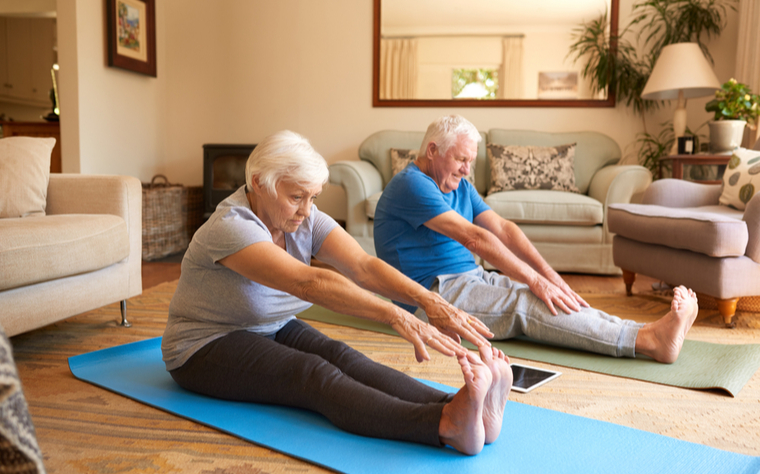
x=681, y=67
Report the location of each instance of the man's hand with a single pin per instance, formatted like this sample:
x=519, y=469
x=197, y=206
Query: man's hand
x=455, y=323
x=553, y=295
x=562, y=285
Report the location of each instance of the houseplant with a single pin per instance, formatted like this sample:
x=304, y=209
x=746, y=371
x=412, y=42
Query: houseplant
x=625, y=66
x=735, y=107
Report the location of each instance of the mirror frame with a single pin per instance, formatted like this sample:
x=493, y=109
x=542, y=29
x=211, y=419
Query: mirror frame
x=377, y=102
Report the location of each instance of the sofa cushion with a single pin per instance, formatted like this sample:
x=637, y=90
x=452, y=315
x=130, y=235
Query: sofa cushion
x=741, y=180
x=594, y=150
x=717, y=231
x=547, y=207
x=44, y=248
x=400, y=159
x=24, y=175
x=531, y=167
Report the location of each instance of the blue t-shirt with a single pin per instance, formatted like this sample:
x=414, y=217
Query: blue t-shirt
x=411, y=199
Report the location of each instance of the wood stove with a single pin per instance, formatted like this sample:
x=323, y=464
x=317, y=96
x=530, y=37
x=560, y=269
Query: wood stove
x=223, y=172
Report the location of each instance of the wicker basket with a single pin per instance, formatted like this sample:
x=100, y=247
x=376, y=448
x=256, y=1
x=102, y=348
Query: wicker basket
x=749, y=304
x=164, y=224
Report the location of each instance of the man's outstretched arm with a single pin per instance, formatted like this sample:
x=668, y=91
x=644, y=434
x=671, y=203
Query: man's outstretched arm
x=511, y=253
x=515, y=240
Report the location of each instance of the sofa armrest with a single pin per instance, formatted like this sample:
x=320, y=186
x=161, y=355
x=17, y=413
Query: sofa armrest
x=752, y=219
x=680, y=193
x=618, y=184
x=360, y=180
x=101, y=194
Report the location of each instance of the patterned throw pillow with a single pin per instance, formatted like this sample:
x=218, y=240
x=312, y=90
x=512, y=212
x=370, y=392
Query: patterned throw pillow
x=400, y=159
x=531, y=167
x=741, y=180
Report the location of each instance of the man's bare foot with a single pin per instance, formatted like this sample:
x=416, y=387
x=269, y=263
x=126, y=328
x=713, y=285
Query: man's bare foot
x=461, y=425
x=501, y=384
x=662, y=340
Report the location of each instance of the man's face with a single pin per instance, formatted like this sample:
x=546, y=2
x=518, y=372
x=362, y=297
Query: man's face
x=449, y=169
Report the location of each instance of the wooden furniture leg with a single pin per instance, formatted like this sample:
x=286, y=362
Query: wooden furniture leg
x=628, y=278
x=727, y=309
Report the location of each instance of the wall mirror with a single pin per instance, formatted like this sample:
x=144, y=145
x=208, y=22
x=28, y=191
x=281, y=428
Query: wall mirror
x=482, y=53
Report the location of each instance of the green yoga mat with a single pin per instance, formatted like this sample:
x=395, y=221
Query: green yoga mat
x=701, y=365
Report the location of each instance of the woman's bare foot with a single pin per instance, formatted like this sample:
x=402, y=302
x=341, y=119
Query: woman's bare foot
x=461, y=425
x=662, y=340
x=498, y=394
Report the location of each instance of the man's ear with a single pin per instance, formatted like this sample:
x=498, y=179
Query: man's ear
x=431, y=150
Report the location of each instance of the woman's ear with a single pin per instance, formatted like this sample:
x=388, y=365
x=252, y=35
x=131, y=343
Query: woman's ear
x=255, y=186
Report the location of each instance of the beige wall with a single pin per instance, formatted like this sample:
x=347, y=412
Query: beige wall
x=112, y=121
x=234, y=71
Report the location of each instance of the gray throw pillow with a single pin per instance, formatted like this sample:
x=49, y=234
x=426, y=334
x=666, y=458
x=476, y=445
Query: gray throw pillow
x=531, y=167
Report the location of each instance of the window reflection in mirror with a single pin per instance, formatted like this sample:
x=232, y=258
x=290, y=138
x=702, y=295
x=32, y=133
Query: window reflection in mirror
x=421, y=44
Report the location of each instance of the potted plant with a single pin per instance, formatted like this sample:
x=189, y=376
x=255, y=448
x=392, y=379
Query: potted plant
x=735, y=107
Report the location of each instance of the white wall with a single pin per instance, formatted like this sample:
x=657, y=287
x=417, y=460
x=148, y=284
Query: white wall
x=234, y=71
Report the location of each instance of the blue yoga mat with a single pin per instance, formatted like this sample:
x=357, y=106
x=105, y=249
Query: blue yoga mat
x=532, y=440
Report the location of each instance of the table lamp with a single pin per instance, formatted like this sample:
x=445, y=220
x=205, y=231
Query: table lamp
x=681, y=72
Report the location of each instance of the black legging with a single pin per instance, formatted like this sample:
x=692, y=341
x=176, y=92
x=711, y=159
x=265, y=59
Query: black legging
x=301, y=367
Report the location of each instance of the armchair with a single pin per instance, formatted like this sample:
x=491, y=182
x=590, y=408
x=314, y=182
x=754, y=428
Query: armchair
x=681, y=234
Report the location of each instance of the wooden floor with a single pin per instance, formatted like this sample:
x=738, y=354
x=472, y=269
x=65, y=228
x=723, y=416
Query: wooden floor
x=157, y=272
x=82, y=428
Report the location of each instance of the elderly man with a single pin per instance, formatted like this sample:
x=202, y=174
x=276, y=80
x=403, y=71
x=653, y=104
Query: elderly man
x=430, y=221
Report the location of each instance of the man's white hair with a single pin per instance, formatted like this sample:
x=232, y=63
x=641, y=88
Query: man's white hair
x=445, y=130
x=286, y=156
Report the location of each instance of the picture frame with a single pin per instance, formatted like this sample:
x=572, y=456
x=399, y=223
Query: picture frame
x=558, y=85
x=131, y=35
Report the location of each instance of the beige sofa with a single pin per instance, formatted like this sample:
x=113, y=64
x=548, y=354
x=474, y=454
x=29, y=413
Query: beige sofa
x=568, y=229
x=82, y=252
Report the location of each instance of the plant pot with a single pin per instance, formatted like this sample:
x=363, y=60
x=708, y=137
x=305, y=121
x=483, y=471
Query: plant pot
x=725, y=135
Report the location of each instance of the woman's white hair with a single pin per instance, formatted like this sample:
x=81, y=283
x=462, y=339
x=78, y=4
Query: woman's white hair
x=286, y=156
x=445, y=130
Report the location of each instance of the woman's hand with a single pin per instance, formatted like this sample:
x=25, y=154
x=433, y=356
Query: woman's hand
x=421, y=334
x=455, y=323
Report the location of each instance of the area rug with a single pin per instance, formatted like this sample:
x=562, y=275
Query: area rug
x=701, y=365
x=19, y=450
x=533, y=440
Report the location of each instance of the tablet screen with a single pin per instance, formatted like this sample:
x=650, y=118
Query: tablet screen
x=527, y=378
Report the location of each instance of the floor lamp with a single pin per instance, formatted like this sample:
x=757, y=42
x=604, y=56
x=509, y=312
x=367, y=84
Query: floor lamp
x=681, y=72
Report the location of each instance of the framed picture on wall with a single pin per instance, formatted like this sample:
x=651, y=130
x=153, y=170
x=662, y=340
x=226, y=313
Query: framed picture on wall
x=131, y=35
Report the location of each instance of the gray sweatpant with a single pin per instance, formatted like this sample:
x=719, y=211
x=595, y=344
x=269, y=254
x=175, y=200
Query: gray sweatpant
x=510, y=309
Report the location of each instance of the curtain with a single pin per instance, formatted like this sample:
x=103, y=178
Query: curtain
x=398, y=68
x=510, y=72
x=748, y=48
x=748, y=55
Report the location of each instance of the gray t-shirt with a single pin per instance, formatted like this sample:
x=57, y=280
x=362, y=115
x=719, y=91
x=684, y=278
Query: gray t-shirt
x=212, y=301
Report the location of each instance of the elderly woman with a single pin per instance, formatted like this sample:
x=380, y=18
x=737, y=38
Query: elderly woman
x=232, y=332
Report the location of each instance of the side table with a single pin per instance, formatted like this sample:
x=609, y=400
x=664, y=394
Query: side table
x=679, y=160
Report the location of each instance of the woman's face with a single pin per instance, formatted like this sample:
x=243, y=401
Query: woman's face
x=289, y=208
